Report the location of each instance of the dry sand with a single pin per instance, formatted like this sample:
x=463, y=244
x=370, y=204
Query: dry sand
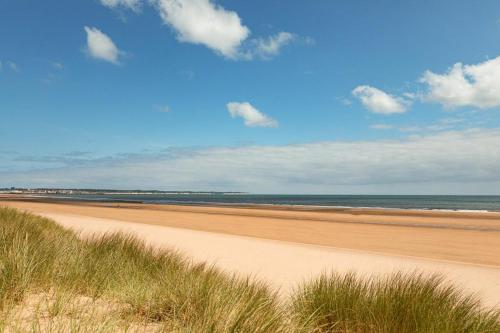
x=290, y=246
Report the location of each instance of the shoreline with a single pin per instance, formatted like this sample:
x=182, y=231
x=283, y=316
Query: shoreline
x=457, y=213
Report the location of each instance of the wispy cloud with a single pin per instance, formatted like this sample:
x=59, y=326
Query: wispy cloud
x=57, y=65
x=271, y=46
x=162, y=108
x=54, y=75
x=50, y=78
x=381, y=126
x=13, y=66
x=75, y=158
x=344, y=101
x=440, y=125
x=135, y=5
x=187, y=74
x=10, y=65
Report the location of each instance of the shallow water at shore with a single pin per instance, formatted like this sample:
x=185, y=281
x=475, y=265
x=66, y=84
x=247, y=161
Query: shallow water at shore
x=415, y=202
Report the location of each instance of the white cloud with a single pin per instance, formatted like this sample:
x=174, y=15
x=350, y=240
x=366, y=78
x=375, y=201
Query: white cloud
x=251, y=116
x=203, y=22
x=135, y=5
x=476, y=85
x=206, y=23
x=465, y=85
x=378, y=101
x=100, y=46
x=450, y=162
x=272, y=45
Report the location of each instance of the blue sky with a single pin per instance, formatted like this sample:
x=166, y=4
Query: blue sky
x=259, y=96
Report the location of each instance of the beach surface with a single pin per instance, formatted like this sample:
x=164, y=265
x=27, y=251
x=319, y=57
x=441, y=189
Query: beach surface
x=286, y=246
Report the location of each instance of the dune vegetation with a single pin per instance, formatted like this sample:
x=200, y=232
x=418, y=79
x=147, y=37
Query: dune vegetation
x=51, y=280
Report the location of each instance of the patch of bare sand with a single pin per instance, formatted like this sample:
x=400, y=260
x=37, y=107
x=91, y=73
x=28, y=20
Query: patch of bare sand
x=55, y=311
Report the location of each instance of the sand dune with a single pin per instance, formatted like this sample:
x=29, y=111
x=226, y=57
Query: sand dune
x=286, y=247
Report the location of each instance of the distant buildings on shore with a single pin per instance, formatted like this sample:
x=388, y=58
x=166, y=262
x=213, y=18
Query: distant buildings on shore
x=71, y=191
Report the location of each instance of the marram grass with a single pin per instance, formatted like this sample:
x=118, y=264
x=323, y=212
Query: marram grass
x=399, y=303
x=51, y=280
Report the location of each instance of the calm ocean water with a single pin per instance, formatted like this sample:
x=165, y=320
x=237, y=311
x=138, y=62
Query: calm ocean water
x=437, y=202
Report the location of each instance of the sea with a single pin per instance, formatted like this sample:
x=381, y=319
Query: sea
x=466, y=203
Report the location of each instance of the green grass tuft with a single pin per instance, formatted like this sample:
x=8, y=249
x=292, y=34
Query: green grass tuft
x=399, y=303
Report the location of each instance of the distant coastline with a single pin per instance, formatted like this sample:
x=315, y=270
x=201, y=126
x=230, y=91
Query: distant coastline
x=442, y=203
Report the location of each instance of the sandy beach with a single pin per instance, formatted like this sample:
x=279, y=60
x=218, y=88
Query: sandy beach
x=463, y=237
x=285, y=246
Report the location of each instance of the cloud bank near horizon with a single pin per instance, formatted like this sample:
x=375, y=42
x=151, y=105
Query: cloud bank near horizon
x=450, y=162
